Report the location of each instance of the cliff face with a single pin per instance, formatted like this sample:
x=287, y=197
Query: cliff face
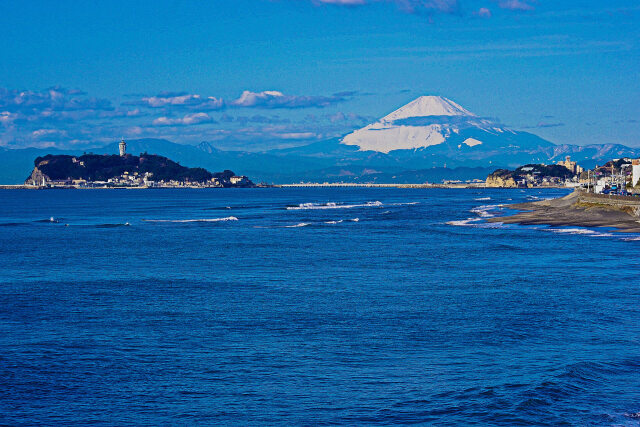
x=36, y=178
x=501, y=178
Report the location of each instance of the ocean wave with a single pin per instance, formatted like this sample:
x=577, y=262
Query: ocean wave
x=11, y=224
x=218, y=208
x=181, y=221
x=580, y=231
x=124, y=224
x=464, y=222
x=476, y=223
x=404, y=204
x=302, y=224
x=479, y=199
x=333, y=205
x=484, y=210
x=49, y=220
x=334, y=222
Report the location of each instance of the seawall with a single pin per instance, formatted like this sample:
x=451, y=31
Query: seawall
x=609, y=200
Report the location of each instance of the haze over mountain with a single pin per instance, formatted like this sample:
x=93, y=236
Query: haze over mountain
x=429, y=139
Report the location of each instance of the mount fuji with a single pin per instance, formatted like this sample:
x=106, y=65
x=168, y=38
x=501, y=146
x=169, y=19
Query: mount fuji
x=424, y=122
x=434, y=121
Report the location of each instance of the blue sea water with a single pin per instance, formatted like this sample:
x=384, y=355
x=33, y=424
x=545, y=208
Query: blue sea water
x=311, y=306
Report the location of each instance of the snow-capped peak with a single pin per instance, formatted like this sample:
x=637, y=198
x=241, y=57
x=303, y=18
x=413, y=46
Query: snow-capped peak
x=425, y=121
x=425, y=106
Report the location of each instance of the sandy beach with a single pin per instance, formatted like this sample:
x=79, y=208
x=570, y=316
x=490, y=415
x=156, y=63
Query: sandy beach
x=569, y=211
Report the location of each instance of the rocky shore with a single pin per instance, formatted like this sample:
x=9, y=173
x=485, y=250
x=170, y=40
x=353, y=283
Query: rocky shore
x=572, y=210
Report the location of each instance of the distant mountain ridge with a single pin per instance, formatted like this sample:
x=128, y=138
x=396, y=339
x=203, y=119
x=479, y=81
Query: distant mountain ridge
x=431, y=138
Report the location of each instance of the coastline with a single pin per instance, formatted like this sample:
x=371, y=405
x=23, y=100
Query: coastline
x=572, y=211
x=478, y=186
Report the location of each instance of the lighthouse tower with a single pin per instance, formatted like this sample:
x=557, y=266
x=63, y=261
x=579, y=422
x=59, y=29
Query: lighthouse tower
x=123, y=148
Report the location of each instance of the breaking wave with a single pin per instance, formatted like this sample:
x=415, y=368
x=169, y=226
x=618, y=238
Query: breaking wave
x=181, y=221
x=332, y=205
x=465, y=222
x=479, y=199
x=51, y=220
x=583, y=231
x=302, y=224
x=484, y=210
x=404, y=204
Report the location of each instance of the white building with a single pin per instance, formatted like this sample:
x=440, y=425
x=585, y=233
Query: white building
x=635, y=172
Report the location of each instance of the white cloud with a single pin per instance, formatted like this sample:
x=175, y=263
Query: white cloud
x=189, y=119
x=7, y=117
x=515, y=4
x=276, y=99
x=483, y=12
x=45, y=133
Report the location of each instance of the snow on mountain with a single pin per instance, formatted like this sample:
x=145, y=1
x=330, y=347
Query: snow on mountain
x=425, y=106
x=424, y=122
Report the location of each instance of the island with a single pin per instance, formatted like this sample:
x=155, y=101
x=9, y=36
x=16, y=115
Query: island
x=125, y=171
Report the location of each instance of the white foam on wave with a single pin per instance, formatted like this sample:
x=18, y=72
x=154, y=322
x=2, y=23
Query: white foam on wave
x=580, y=231
x=228, y=218
x=475, y=223
x=484, y=210
x=355, y=219
x=334, y=222
x=404, y=204
x=479, y=199
x=302, y=224
x=333, y=205
x=465, y=222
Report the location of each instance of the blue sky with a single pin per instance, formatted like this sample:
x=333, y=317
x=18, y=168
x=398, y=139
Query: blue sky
x=253, y=74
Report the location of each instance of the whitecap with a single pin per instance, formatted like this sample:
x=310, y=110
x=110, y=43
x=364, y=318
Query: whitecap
x=464, y=222
x=483, y=211
x=571, y=231
x=228, y=218
x=404, y=204
x=332, y=205
x=580, y=231
x=482, y=198
x=302, y=224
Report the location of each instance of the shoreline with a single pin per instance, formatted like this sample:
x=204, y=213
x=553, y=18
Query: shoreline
x=309, y=185
x=571, y=211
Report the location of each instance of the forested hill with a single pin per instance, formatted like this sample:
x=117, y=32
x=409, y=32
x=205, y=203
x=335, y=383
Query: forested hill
x=96, y=167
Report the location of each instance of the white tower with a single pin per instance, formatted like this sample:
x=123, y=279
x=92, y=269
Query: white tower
x=123, y=148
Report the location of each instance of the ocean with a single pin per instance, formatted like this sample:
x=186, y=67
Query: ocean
x=356, y=306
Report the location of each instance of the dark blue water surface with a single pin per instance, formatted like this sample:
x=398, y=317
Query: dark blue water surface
x=354, y=306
